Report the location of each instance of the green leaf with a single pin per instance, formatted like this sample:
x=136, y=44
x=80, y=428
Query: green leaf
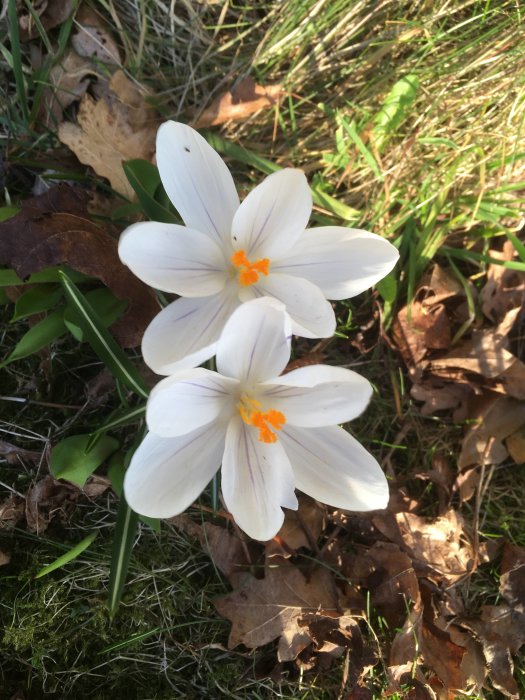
x=387, y=287
x=72, y=459
x=124, y=538
x=102, y=342
x=394, y=110
x=144, y=177
x=350, y=129
x=122, y=417
x=9, y=278
x=8, y=212
x=72, y=554
x=106, y=306
x=38, y=337
x=36, y=300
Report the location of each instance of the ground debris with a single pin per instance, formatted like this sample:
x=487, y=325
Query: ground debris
x=467, y=363
x=119, y=126
x=54, y=228
x=501, y=628
x=281, y=606
x=50, y=14
x=244, y=99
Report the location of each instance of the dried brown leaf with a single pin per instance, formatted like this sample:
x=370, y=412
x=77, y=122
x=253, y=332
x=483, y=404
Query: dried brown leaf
x=387, y=573
x=501, y=629
x=515, y=444
x=13, y=454
x=53, y=228
x=227, y=551
x=113, y=130
x=51, y=13
x=498, y=418
x=243, y=100
x=49, y=499
x=439, y=547
x=69, y=80
x=5, y=557
x=301, y=528
x=95, y=486
x=93, y=39
x=439, y=394
x=262, y=610
x=504, y=289
x=428, y=323
x=11, y=512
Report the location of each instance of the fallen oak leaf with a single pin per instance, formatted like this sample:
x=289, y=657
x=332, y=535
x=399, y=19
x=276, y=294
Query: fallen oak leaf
x=501, y=629
x=110, y=131
x=244, y=99
x=498, y=418
x=52, y=229
x=262, y=610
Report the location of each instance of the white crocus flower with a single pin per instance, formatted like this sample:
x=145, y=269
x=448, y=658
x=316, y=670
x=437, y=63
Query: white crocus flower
x=271, y=433
x=229, y=253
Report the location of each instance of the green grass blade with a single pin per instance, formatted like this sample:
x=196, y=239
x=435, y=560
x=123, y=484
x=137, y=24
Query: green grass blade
x=351, y=131
x=123, y=541
x=121, y=418
x=322, y=199
x=102, y=342
x=144, y=177
x=471, y=255
x=16, y=53
x=72, y=554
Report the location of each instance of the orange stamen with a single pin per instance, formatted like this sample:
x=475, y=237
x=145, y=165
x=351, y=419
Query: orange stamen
x=263, y=421
x=249, y=271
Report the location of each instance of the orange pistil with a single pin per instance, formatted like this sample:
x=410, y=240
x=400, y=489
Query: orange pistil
x=251, y=415
x=249, y=271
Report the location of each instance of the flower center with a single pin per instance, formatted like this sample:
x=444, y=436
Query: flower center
x=266, y=422
x=249, y=271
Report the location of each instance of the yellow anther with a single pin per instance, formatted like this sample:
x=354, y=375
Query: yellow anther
x=249, y=271
x=265, y=422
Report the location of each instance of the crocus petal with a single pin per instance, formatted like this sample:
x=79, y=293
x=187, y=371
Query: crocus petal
x=273, y=215
x=196, y=180
x=167, y=474
x=189, y=399
x=334, y=468
x=255, y=342
x=341, y=262
x=257, y=480
x=173, y=258
x=185, y=333
x=312, y=315
x=318, y=395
